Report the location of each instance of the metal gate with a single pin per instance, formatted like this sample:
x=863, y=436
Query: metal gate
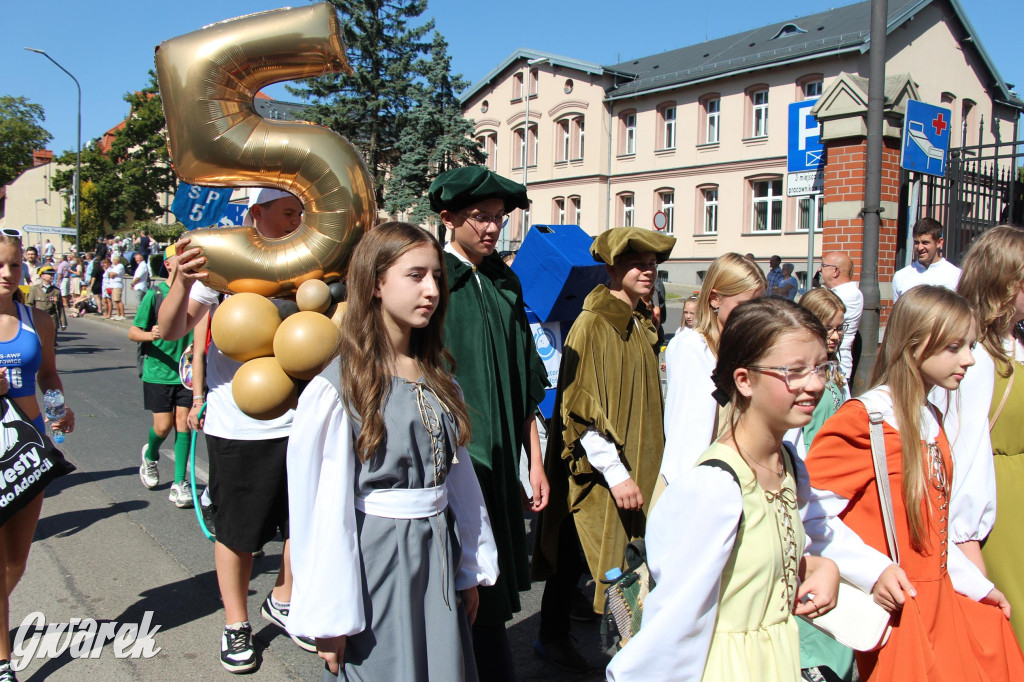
x=983, y=187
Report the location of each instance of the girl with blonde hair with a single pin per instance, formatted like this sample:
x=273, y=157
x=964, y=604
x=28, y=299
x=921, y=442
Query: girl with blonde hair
x=949, y=621
x=691, y=414
x=987, y=416
x=390, y=535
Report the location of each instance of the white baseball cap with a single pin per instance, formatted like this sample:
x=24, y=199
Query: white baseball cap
x=263, y=195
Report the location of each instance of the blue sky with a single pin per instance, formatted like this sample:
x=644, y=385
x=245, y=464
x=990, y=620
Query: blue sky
x=108, y=44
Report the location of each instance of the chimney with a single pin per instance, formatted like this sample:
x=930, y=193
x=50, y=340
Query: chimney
x=41, y=156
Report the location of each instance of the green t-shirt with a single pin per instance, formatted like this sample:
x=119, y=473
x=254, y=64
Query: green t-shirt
x=161, y=366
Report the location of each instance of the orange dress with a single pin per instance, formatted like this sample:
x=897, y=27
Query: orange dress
x=940, y=635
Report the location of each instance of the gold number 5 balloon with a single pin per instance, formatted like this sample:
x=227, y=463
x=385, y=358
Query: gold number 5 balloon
x=208, y=80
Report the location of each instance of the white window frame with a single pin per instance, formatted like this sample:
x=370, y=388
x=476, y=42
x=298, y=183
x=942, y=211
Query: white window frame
x=579, y=124
x=629, y=143
x=520, y=159
x=772, y=202
x=577, y=209
x=564, y=140
x=628, y=203
x=668, y=207
x=713, y=112
x=759, y=113
x=709, y=223
x=668, y=115
x=813, y=89
x=816, y=212
x=559, y=211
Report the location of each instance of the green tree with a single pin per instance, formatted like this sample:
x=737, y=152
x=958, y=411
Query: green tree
x=435, y=138
x=129, y=176
x=21, y=133
x=371, y=106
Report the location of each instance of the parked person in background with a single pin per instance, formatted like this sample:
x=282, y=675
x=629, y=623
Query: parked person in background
x=788, y=286
x=774, y=276
x=837, y=275
x=49, y=251
x=163, y=393
x=929, y=267
x=140, y=279
x=108, y=290
x=692, y=417
x=31, y=266
x=605, y=441
x=115, y=276
x=690, y=312
x=64, y=279
x=77, y=276
x=143, y=245
x=95, y=283
x=46, y=296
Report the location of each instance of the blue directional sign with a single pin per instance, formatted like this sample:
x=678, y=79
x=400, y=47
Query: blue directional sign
x=198, y=206
x=234, y=215
x=925, y=138
x=806, y=152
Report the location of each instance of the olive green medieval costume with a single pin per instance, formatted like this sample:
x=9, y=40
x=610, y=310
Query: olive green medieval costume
x=608, y=381
x=501, y=375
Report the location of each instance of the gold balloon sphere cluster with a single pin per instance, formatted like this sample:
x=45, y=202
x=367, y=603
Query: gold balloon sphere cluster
x=276, y=353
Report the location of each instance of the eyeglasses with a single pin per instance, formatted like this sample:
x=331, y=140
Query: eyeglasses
x=829, y=265
x=11, y=232
x=841, y=329
x=797, y=378
x=482, y=220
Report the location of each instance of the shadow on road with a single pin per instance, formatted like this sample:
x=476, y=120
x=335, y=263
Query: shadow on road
x=68, y=523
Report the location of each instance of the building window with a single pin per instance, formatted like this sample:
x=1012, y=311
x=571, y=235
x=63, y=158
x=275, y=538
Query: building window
x=767, y=204
x=710, y=221
x=667, y=199
x=668, y=127
x=517, y=85
x=810, y=212
x=577, y=152
x=627, y=141
x=558, y=211
x=533, y=82
x=526, y=218
x=759, y=113
x=967, y=120
x=525, y=146
x=812, y=89
x=626, y=210
x=489, y=145
x=712, y=110
x=564, y=141
x=577, y=210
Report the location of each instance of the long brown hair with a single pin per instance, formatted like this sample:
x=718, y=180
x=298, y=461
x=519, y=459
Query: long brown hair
x=924, y=321
x=729, y=274
x=366, y=351
x=993, y=271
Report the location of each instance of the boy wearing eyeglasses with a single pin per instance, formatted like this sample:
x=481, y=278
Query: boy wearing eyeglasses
x=503, y=379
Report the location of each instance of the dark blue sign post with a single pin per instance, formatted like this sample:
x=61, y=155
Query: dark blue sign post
x=925, y=138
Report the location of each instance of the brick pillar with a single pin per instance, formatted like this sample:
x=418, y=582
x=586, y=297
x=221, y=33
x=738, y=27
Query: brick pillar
x=845, y=176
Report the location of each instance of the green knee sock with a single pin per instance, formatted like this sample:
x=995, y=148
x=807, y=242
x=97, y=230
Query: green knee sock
x=181, y=448
x=155, y=441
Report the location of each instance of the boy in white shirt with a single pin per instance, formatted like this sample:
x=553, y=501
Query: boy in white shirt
x=929, y=267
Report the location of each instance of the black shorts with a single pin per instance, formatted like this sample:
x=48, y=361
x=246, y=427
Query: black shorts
x=165, y=397
x=249, y=489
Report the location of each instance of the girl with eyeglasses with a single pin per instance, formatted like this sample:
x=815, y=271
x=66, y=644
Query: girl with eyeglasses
x=949, y=621
x=725, y=543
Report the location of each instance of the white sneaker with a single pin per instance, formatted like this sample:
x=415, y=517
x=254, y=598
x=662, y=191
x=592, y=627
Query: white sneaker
x=181, y=495
x=148, y=471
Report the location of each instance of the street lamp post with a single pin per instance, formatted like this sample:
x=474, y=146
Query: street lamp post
x=78, y=150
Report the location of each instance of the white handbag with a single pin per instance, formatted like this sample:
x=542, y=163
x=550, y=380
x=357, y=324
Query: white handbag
x=857, y=621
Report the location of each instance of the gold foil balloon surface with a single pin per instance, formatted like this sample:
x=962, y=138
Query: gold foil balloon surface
x=262, y=390
x=305, y=343
x=313, y=295
x=244, y=327
x=208, y=80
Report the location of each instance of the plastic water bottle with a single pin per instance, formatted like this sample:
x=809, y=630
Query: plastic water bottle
x=53, y=405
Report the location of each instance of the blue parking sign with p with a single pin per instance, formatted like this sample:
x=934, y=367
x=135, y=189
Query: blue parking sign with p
x=806, y=151
x=198, y=206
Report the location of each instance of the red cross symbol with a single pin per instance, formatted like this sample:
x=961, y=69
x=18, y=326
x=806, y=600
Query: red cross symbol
x=939, y=124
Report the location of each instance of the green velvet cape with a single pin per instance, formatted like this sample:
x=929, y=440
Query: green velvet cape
x=503, y=380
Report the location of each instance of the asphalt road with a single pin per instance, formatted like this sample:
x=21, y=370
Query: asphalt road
x=108, y=549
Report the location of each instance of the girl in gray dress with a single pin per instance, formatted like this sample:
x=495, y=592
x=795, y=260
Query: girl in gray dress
x=390, y=535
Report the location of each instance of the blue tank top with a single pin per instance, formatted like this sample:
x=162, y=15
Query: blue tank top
x=22, y=356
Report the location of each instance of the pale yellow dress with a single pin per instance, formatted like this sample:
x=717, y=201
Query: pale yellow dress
x=756, y=635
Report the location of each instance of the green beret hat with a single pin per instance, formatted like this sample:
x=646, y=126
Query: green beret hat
x=461, y=187
x=613, y=243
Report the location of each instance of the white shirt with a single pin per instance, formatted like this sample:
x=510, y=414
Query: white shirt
x=140, y=280
x=940, y=273
x=849, y=293
x=690, y=411
x=224, y=419
x=327, y=593
x=115, y=276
